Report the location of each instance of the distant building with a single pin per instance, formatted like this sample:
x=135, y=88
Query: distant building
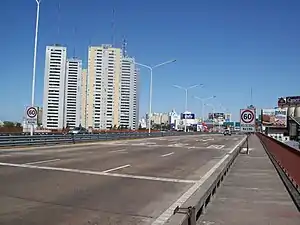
x=84, y=103
x=112, y=91
x=40, y=116
x=72, y=104
x=54, y=87
x=158, y=118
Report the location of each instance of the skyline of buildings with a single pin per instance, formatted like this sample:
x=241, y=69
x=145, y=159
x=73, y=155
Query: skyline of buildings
x=103, y=96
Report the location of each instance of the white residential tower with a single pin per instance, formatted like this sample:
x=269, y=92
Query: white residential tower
x=54, y=87
x=72, y=109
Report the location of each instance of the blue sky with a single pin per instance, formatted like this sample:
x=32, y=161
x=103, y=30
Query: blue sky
x=229, y=46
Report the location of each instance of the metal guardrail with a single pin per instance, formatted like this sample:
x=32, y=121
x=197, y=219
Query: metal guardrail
x=35, y=140
x=286, y=160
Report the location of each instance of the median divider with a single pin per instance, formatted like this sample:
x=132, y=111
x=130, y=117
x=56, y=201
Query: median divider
x=190, y=211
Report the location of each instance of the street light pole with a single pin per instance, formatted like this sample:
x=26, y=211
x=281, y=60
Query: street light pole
x=186, y=89
x=213, y=111
x=151, y=87
x=202, y=102
x=34, y=57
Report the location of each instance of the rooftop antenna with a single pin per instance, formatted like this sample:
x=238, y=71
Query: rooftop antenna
x=58, y=20
x=113, y=28
x=124, y=45
x=74, y=49
x=251, y=96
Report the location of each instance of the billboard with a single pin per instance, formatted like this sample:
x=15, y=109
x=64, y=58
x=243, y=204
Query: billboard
x=274, y=117
x=216, y=116
x=228, y=117
x=187, y=116
x=288, y=101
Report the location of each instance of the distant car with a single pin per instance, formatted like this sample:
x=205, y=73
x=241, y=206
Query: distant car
x=227, y=132
x=78, y=130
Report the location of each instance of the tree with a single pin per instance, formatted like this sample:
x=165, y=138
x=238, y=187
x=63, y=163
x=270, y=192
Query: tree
x=8, y=124
x=140, y=126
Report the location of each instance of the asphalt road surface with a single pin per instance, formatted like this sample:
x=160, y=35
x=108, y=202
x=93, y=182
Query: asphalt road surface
x=116, y=182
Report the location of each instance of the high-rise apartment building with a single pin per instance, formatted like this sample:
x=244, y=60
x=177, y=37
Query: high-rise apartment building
x=72, y=104
x=104, y=71
x=112, y=93
x=84, y=93
x=54, y=87
x=128, y=94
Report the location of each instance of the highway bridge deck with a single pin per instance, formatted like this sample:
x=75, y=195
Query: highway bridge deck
x=252, y=193
x=116, y=182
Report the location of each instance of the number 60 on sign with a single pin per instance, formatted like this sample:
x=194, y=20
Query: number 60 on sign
x=247, y=120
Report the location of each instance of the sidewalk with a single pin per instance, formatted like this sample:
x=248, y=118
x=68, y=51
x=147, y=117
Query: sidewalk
x=252, y=194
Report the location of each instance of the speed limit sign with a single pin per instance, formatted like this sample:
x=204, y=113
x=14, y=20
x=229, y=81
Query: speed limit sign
x=31, y=114
x=247, y=120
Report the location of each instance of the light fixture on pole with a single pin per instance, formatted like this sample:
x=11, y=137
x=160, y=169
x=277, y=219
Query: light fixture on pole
x=202, y=101
x=34, y=57
x=151, y=84
x=186, y=89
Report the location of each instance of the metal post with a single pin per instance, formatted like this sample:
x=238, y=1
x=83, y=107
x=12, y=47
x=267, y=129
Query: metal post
x=34, y=58
x=186, y=99
x=247, y=144
x=151, y=84
x=202, y=110
x=150, y=99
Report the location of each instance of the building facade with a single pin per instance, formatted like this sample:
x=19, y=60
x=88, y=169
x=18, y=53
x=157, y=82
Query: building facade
x=72, y=104
x=54, y=87
x=112, y=89
x=84, y=93
x=128, y=94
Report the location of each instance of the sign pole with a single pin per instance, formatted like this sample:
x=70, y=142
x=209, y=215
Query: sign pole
x=247, y=143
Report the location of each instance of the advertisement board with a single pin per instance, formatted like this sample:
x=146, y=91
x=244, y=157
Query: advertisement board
x=216, y=116
x=188, y=116
x=274, y=117
x=228, y=117
x=288, y=101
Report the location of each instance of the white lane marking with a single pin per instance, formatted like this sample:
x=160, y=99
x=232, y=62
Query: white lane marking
x=117, y=168
x=216, y=146
x=210, y=139
x=44, y=161
x=237, y=145
x=168, y=154
x=165, y=216
x=5, y=155
x=120, y=150
x=89, y=172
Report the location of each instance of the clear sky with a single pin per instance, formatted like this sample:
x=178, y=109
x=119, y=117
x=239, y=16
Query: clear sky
x=229, y=46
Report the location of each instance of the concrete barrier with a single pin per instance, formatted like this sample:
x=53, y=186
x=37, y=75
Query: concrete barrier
x=191, y=210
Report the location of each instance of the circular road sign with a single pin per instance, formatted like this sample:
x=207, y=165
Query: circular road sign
x=247, y=116
x=31, y=112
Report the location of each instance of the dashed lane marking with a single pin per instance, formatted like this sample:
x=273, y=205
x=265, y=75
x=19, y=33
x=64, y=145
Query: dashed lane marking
x=89, y=172
x=117, y=168
x=120, y=150
x=44, y=161
x=168, y=154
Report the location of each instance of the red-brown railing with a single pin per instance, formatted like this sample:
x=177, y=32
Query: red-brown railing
x=287, y=157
